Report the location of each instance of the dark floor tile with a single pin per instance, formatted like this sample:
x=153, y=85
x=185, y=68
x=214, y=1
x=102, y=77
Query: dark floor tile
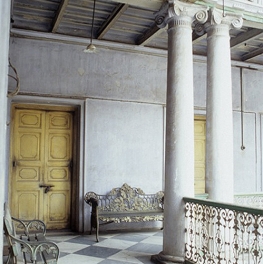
x=145, y=259
x=62, y=254
x=99, y=252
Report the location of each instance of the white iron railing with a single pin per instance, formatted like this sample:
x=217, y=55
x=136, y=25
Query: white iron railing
x=218, y=233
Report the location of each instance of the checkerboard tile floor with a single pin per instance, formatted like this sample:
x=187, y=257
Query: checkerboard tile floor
x=113, y=248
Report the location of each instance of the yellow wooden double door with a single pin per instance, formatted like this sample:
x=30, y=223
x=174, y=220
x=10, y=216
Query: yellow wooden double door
x=41, y=166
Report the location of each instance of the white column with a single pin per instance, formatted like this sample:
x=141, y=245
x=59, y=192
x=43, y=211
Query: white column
x=219, y=115
x=179, y=149
x=4, y=44
x=179, y=154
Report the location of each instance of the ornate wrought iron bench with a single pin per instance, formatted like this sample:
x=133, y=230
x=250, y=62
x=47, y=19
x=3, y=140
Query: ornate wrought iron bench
x=27, y=242
x=124, y=204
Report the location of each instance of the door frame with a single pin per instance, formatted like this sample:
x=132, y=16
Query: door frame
x=77, y=108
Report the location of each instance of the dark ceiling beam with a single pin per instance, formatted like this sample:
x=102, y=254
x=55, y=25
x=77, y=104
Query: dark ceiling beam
x=59, y=15
x=244, y=37
x=252, y=54
x=117, y=12
x=153, y=32
x=196, y=38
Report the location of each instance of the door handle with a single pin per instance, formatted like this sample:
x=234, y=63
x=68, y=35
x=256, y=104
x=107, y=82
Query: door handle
x=47, y=187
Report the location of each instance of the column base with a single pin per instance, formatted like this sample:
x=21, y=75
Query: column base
x=161, y=258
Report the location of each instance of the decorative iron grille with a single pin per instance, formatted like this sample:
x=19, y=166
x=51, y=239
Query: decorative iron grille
x=223, y=233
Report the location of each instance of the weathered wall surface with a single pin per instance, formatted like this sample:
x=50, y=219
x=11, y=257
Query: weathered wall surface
x=63, y=69
x=125, y=95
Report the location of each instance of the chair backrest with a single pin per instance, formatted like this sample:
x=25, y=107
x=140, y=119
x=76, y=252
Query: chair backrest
x=8, y=221
x=10, y=231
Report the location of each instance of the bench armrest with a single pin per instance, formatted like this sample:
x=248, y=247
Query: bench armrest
x=92, y=199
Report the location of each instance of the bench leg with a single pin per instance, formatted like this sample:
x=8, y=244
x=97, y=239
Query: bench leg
x=94, y=223
x=97, y=226
x=97, y=229
x=90, y=225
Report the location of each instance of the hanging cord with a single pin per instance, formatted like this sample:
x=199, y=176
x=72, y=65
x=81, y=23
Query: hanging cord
x=16, y=78
x=92, y=24
x=242, y=110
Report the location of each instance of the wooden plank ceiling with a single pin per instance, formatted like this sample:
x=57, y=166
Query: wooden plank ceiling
x=121, y=23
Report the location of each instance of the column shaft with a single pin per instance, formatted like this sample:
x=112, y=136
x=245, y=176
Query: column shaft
x=179, y=155
x=219, y=137
x=4, y=44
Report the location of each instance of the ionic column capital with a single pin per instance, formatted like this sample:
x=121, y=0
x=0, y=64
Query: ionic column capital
x=218, y=19
x=227, y=20
x=175, y=10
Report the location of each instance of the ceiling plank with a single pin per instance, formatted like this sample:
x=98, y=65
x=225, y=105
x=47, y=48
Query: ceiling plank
x=244, y=37
x=152, y=4
x=252, y=54
x=118, y=11
x=59, y=15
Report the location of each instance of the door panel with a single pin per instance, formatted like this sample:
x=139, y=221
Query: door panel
x=42, y=153
x=27, y=164
x=58, y=207
x=200, y=134
x=58, y=158
x=27, y=201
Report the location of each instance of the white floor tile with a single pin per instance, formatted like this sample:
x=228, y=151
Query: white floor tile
x=115, y=243
x=127, y=256
x=108, y=235
x=70, y=247
x=79, y=259
x=156, y=240
x=60, y=238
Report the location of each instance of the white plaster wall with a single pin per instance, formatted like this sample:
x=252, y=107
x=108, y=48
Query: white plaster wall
x=199, y=85
x=124, y=143
x=245, y=167
x=253, y=90
x=236, y=88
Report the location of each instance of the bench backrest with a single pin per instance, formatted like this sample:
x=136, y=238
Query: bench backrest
x=126, y=198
